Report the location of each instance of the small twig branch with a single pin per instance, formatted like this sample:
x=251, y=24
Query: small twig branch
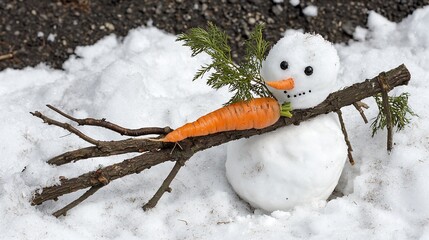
x=359, y=105
x=346, y=137
x=111, y=126
x=63, y=211
x=158, y=152
x=67, y=127
x=110, y=173
x=7, y=56
x=165, y=187
x=385, y=88
x=109, y=148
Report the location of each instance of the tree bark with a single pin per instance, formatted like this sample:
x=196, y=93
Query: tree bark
x=155, y=153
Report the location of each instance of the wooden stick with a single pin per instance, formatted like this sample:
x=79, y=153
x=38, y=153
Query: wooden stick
x=66, y=126
x=112, y=126
x=359, y=105
x=63, y=211
x=346, y=137
x=165, y=187
x=6, y=56
x=385, y=88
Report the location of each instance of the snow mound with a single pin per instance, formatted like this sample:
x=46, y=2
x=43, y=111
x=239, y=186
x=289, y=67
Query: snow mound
x=145, y=80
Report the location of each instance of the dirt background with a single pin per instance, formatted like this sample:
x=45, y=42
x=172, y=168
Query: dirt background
x=27, y=25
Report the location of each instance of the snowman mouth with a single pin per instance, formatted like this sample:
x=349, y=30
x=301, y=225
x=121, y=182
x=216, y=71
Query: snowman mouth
x=295, y=95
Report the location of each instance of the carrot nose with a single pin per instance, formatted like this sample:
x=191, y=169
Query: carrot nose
x=286, y=84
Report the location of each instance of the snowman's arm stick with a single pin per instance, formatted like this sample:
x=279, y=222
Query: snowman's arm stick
x=346, y=137
x=112, y=126
x=157, y=153
x=359, y=105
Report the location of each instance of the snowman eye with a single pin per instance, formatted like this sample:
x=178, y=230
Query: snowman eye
x=308, y=70
x=284, y=65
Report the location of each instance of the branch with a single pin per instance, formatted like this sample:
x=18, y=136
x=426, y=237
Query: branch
x=6, y=56
x=114, y=127
x=165, y=187
x=385, y=88
x=346, y=137
x=63, y=211
x=359, y=105
x=156, y=152
x=65, y=126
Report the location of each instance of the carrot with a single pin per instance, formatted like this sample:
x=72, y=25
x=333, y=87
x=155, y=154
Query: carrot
x=257, y=113
x=286, y=84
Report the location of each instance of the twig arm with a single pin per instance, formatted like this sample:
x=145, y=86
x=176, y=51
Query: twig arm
x=112, y=126
x=346, y=137
x=165, y=187
x=109, y=173
x=65, y=126
x=63, y=211
x=385, y=88
x=359, y=105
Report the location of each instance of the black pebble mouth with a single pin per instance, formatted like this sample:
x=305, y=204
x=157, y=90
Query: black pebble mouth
x=297, y=95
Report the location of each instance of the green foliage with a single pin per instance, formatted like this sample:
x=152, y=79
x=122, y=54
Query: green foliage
x=243, y=79
x=399, y=109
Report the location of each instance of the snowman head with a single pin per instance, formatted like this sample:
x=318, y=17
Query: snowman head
x=302, y=69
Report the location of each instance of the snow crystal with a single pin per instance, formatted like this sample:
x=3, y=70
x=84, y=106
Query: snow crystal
x=310, y=11
x=51, y=37
x=360, y=33
x=294, y=2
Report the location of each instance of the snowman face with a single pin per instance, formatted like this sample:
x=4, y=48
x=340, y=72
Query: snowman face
x=301, y=69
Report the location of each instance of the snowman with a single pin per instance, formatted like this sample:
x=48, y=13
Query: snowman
x=294, y=165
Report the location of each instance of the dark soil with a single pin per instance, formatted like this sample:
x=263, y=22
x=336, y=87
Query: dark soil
x=26, y=24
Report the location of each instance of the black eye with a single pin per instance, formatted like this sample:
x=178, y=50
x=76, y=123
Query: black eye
x=284, y=65
x=308, y=70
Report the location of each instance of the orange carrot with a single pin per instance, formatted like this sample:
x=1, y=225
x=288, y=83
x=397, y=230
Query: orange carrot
x=286, y=84
x=257, y=113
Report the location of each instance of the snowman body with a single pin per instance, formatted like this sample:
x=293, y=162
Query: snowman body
x=293, y=165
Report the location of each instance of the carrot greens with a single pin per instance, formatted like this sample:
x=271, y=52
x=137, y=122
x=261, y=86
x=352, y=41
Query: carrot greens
x=243, y=79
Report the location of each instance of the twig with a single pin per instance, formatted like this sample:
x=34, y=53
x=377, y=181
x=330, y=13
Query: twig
x=157, y=152
x=346, y=137
x=359, y=105
x=382, y=79
x=110, y=173
x=63, y=211
x=165, y=187
x=101, y=148
x=6, y=56
x=65, y=126
x=107, y=149
x=112, y=126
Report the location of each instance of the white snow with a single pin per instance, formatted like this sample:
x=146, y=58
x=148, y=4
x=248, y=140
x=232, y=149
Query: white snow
x=290, y=167
x=303, y=51
x=145, y=80
x=294, y=2
x=310, y=11
x=51, y=37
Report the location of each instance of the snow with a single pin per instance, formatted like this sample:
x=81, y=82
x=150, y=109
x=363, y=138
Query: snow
x=290, y=167
x=310, y=11
x=294, y=2
x=303, y=51
x=144, y=80
x=51, y=37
